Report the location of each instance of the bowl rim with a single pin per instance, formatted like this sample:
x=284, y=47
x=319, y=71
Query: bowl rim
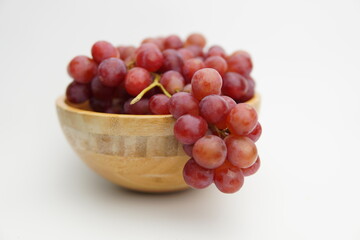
x=62, y=103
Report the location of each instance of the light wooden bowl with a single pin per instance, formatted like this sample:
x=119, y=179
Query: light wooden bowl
x=138, y=152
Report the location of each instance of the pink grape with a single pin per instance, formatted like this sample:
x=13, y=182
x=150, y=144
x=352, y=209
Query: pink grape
x=159, y=42
x=196, y=39
x=196, y=176
x=228, y=178
x=252, y=169
x=196, y=50
x=172, y=61
x=102, y=50
x=159, y=104
x=150, y=58
x=240, y=62
x=255, y=134
x=241, y=151
x=136, y=80
x=216, y=51
x=187, y=88
x=213, y=108
x=190, y=67
x=82, y=69
x=188, y=128
x=205, y=82
x=185, y=54
x=209, y=151
x=218, y=63
x=250, y=90
x=234, y=85
x=183, y=103
x=112, y=72
x=242, y=119
x=172, y=81
x=173, y=42
x=231, y=104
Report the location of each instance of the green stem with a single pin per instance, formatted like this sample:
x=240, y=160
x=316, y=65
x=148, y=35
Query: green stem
x=156, y=83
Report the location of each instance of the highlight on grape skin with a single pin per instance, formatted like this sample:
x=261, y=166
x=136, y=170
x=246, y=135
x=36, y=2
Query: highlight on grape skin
x=205, y=90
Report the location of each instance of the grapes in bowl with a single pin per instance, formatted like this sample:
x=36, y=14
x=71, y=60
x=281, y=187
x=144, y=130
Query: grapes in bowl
x=164, y=116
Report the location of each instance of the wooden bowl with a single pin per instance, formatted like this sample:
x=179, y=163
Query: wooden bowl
x=138, y=152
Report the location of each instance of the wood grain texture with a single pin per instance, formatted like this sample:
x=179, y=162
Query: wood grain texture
x=138, y=152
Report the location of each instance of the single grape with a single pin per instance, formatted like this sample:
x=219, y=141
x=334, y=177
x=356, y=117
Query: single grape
x=100, y=91
x=102, y=50
x=78, y=92
x=185, y=54
x=187, y=88
x=205, y=82
x=126, y=52
x=209, y=151
x=188, y=149
x=190, y=67
x=172, y=61
x=234, y=85
x=196, y=39
x=242, y=119
x=252, y=169
x=136, y=80
x=172, y=81
x=183, y=103
x=159, y=104
x=173, y=42
x=139, y=108
x=228, y=178
x=112, y=72
x=250, y=90
x=196, y=176
x=82, y=69
x=188, y=128
x=240, y=62
x=231, y=104
x=150, y=58
x=218, y=63
x=213, y=108
x=216, y=51
x=100, y=105
x=196, y=50
x=159, y=42
x=255, y=134
x=241, y=151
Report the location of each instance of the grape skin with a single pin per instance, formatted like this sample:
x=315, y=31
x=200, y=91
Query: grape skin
x=136, y=80
x=190, y=67
x=241, y=151
x=183, y=103
x=196, y=176
x=209, y=151
x=218, y=63
x=112, y=72
x=205, y=82
x=82, y=69
x=234, y=85
x=213, y=108
x=188, y=129
x=228, y=178
x=159, y=104
x=102, y=50
x=172, y=81
x=242, y=119
x=252, y=169
x=78, y=92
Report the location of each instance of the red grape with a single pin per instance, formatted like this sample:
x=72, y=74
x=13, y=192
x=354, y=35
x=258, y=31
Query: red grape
x=136, y=80
x=252, y=169
x=102, y=50
x=216, y=51
x=188, y=149
x=196, y=39
x=172, y=81
x=112, y=72
x=183, y=103
x=209, y=151
x=228, y=178
x=213, y=108
x=241, y=151
x=82, y=69
x=100, y=91
x=126, y=52
x=242, y=119
x=78, y=92
x=205, y=82
x=250, y=90
x=173, y=42
x=100, y=105
x=234, y=85
x=187, y=88
x=172, y=61
x=190, y=67
x=196, y=176
x=218, y=63
x=255, y=134
x=196, y=50
x=188, y=129
x=150, y=58
x=240, y=62
x=185, y=54
x=159, y=104
x=231, y=104
x=139, y=108
x=159, y=42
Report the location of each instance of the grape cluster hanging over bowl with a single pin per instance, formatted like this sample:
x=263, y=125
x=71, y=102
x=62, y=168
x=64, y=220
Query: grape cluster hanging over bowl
x=208, y=94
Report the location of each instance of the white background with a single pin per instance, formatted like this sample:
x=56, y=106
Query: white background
x=307, y=66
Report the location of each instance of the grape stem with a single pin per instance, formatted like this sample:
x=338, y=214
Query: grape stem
x=221, y=133
x=156, y=83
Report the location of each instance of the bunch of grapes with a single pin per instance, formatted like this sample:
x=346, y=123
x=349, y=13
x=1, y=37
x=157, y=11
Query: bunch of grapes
x=204, y=91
